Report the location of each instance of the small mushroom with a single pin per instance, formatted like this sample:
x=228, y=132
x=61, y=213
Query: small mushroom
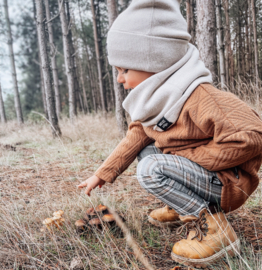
x=48, y=222
x=61, y=221
x=80, y=226
x=101, y=209
x=96, y=223
x=59, y=213
x=110, y=222
x=86, y=218
x=90, y=213
x=58, y=221
x=109, y=218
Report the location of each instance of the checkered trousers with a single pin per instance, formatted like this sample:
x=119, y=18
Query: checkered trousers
x=180, y=183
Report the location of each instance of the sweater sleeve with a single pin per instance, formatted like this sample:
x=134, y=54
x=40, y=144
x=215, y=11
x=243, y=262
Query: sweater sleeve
x=235, y=129
x=125, y=153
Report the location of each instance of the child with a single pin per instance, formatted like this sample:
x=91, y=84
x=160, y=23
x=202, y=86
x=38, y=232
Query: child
x=199, y=149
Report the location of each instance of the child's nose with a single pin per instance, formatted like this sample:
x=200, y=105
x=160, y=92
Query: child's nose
x=120, y=78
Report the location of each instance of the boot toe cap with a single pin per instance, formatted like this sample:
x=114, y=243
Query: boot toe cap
x=153, y=214
x=183, y=249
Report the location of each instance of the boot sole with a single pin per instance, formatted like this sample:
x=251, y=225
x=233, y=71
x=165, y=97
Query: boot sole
x=169, y=224
x=200, y=263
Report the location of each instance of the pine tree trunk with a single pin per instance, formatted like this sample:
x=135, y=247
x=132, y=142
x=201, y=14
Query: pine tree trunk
x=247, y=40
x=101, y=49
x=91, y=80
x=255, y=41
x=189, y=16
x=40, y=66
x=98, y=58
x=46, y=70
x=111, y=86
x=53, y=60
x=70, y=23
x=227, y=39
x=18, y=108
x=119, y=92
x=206, y=35
x=86, y=107
x=42, y=86
x=240, y=43
x=2, y=107
x=193, y=24
x=190, y=20
x=249, y=27
x=220, y=44
x=69, y=65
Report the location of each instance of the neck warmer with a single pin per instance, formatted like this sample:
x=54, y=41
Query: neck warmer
x=158, y=100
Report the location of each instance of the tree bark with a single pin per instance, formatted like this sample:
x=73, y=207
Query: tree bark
x=70, y=23
x=46, y=70
x=255, y=41
x=42, y=85
x=248, y=23
x=2, y=107
x=86, y=107
x=91, y=79
x=111, y=86
x=220, y=44
x=190, y=19
x=229, y=57
x=206, y=35
x=40, y=66
x=227, y=40
x=98, y=58
x=247, y=53
x=193, y=27
x=119, y=92
x=240, y=42
x=18, y=108
x=189, y=15
x=69, y=65
x=53, y=60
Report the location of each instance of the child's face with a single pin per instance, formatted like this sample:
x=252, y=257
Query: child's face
x=131, y=78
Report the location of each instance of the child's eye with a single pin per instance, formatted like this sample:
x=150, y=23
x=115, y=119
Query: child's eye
x=125, y=71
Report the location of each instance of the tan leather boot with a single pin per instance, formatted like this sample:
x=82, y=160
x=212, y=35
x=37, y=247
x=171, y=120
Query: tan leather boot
x=209, y=238
x=164, y=217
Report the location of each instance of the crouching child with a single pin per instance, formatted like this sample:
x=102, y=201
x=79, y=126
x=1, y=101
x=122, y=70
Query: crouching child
x=199, y=148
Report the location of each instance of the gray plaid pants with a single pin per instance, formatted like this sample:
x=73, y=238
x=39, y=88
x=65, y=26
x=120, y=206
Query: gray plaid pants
x=179, y=182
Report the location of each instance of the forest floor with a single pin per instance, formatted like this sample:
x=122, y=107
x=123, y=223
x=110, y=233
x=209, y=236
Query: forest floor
x=39, y=175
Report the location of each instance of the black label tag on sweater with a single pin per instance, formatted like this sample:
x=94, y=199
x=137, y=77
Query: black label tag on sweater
x=164, y=124
x=214, y=180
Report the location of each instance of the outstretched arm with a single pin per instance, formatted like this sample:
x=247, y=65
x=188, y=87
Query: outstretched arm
x=124, y=154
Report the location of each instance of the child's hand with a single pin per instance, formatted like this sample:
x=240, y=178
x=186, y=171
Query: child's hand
x=91, y=183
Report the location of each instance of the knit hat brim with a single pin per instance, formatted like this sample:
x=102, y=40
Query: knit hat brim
x=152, y=51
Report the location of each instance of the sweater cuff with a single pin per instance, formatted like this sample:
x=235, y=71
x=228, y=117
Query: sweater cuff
x=107, y=177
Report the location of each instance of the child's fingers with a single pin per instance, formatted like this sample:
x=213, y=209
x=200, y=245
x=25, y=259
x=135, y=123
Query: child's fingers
x=88, y=190
x=84, y=184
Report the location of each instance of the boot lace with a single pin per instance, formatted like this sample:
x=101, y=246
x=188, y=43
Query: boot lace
x=199, y=226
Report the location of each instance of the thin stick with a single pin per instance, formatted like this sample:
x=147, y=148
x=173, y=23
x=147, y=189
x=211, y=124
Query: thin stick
x=131, y=242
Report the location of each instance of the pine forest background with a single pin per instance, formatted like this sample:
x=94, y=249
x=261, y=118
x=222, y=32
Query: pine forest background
x=62, y=56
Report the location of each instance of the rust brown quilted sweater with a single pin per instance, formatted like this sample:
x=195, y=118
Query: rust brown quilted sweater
x=216, y=130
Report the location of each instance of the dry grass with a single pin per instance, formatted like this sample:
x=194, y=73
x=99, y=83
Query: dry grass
x=40, y=177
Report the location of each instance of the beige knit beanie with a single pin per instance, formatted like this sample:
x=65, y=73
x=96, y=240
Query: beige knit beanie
x=150, y=35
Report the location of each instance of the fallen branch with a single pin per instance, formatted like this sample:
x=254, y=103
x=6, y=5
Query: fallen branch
x=131, y=242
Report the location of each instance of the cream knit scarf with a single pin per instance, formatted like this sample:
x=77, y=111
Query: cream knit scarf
x=158, y=100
